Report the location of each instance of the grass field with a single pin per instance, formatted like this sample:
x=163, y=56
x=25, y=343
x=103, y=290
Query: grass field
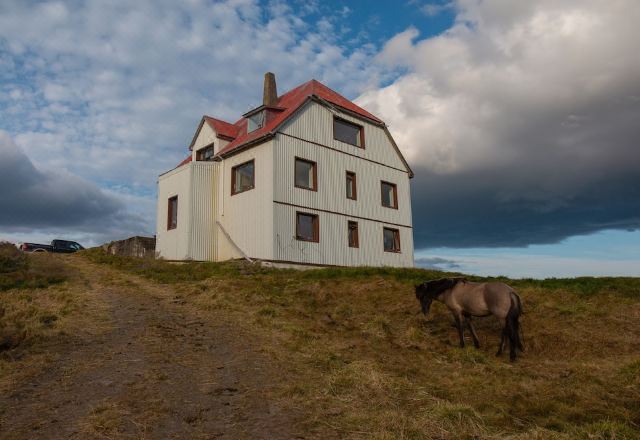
x=362, y=362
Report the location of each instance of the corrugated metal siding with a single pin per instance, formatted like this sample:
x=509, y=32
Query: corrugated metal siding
x=203, y=217
x=331, y=195
x=333, y=247
x=315, y=123
x=248, y=216
x=174, y=244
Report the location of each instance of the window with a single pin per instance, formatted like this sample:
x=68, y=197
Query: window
x=391, y=238
x=205, y=154
x=353, y=234
x=242, y=177
x=389, y=195
x=255, y=121
x=348, y=132
x=172, y=214
x=306, y=174
x=351, y=186
x=307, y=227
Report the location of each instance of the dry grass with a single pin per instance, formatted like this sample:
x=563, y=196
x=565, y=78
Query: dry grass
x=42, y=302
x=364, y=363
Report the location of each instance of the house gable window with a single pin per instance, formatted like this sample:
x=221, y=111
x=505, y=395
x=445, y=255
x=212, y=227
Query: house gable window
x=306, y=174
x=205, y=154
x=348, y=132
x=307, y=227
x=391, y=240
x=172, y=213
x=353, y=234
x=352, y=192
x=389, y=195
x=242, y=177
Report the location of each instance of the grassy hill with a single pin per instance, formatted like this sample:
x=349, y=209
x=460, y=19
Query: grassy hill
x=362, y=362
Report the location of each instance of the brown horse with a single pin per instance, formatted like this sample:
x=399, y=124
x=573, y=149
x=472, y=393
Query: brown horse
x=466, y=299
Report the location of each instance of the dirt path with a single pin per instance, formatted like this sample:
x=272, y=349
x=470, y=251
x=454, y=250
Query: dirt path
x=162, y=371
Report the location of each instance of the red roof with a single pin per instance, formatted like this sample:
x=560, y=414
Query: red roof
x=222, y=128
x=290, y=102
x=184, y=162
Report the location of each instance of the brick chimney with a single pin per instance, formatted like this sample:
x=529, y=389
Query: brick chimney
x=270, y=94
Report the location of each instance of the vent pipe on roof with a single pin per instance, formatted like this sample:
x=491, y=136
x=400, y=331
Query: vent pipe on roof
x=270, y=94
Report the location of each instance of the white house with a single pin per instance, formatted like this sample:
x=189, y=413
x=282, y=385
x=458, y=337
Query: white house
x=308, y=177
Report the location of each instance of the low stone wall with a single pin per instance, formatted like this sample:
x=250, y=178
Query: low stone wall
x=142, y=247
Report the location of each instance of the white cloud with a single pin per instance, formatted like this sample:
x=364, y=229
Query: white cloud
x=522, y=112
x=137, y=77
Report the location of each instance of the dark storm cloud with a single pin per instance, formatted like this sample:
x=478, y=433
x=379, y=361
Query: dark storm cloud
x=32, y=199
x=522, y=122
x=472, y=209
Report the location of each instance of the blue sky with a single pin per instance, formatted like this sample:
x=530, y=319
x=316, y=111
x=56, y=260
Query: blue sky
x=519, y=118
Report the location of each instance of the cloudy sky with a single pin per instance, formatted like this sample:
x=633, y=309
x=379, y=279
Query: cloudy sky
x=521, y=119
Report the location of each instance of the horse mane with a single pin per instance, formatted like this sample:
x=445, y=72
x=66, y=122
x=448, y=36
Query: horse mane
x=436, y=287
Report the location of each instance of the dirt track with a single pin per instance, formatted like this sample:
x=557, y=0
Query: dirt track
x=161, y=371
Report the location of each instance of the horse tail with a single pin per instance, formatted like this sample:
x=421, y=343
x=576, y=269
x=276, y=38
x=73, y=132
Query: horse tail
x=520, y=312
x=513, y=323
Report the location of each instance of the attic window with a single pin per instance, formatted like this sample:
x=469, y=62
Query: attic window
x=205, y=154
x=348, y=132
x=256, y=121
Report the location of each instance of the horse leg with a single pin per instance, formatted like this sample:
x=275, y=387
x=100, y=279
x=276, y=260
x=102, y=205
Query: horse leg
x=503, y=341
x=459, y=324
x=513, y=338
x=476, y=342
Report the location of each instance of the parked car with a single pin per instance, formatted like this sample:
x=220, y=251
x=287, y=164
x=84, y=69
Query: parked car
x=56, y=246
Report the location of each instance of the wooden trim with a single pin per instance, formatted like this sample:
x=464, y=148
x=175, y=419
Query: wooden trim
x=346, y=121
x=314, y=170
x=357, y=234
x=354, y=185
x=316, y=227
x=233, y=177
x=342, y=214
x=343, y=152
x=395, y=194
x=396, y=240
x=170, y=210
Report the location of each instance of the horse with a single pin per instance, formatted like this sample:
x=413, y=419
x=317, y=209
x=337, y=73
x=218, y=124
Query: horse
x=466, y=299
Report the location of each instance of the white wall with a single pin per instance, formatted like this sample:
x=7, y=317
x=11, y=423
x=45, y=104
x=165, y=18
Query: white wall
x=203, y=211
x=206, y=136
x=174, y=244
x=315, y=123
x=248, y=216
x=333, y=247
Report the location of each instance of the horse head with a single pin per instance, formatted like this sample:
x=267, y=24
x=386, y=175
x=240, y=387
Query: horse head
x=430, y=290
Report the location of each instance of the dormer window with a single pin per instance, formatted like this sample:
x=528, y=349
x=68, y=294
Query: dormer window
x=256, y=121
x=205, y=154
